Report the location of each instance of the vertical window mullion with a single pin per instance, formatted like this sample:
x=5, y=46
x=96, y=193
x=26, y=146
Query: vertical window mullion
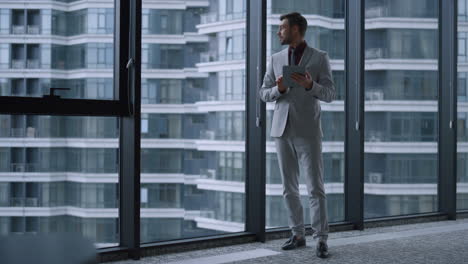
x=354, y=109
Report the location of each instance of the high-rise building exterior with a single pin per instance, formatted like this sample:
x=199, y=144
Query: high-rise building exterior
x=61, y=173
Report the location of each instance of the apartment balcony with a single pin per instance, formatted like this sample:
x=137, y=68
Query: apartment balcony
x=378, y=11
x=16, y=202
x=209, y=18
x=18, y=30
x=23, y=202
x=208, y=134
x=25, y=167
x=214, y=62
x=228, y=99
x=209, y=56
x=212, y=56
x=208, y=219
x=374, y=95
x=33, y=29
x=207, y=96
x=19, y=132
x=17, y=167
x=18, y=64
x=213, y=23
x=208, y=174
x=216, y=17
x=375, y=136
x=33, y=64
x=31, y=202
x=374, y=53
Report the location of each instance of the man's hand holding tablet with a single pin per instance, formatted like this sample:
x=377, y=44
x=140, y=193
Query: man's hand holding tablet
x=293, y=76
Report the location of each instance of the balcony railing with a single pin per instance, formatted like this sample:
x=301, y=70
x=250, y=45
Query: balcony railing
x=375, y=136
x=31, y=202
x=33, y=29
x=16, y=202
x=231, y=56
x=18, y=167
x=33, y=64
x=207, y=213
x=25, y=167
x=215, y=17
x=378, y=11
x=207, y=96
x=209, y=56
x=208, y=173
x=374, y=53
x=17, y=64
x=209, y=18
x=374, y=95
x=21, y=132
x=18, y=29
x=208, y=134
x=212, y=56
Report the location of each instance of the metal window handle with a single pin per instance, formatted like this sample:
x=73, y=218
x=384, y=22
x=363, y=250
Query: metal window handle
x=452, y=114
x=52, y=92
x=130, y=62
x=358, y=100
x=259, y=114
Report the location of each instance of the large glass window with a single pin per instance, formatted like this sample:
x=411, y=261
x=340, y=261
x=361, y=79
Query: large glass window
x=401, y=109
x=193, y=120
x=329, y=37
x=57, y=45
x=60, y=174
x=462, y=107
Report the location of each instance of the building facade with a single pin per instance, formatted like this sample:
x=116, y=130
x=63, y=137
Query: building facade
x=61, y=173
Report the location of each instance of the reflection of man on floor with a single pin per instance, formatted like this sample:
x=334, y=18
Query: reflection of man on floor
x=296, y=127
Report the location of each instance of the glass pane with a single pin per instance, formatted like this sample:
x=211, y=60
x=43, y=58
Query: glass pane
x=193, y=119
x=60, y=174
x=401, y=109
x=462, y=107
x=57, y=44
x=329, y=37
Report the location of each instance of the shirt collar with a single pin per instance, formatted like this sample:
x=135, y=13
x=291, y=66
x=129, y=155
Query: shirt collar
x=299, y=48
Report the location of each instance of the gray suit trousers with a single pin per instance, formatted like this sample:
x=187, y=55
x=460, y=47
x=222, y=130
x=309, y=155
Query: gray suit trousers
x=293, y=152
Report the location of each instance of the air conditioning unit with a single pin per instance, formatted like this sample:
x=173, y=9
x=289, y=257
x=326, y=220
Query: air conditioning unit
x=33, y=29
x=375, y=177
x=375, y=136
x=30, y=132
x=377, y=11
x=373, y=53
x=211, y=173
x=208, y=134
x=33, y=64
x=375, y=95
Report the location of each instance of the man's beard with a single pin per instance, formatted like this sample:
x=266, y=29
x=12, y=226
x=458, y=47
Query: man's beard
x=286, y=40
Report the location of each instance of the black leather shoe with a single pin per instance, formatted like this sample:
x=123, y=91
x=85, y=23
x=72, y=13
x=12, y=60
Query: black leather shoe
x=293, y=243
x=322, y=250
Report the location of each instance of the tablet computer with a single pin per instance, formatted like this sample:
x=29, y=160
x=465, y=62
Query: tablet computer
x=288, y=71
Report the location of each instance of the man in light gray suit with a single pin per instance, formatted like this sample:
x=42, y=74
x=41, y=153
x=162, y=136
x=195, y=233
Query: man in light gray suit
x=296, y=127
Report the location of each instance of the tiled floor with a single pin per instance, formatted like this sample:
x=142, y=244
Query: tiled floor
x=444, y=242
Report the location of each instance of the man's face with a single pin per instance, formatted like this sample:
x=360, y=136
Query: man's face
x=284, y=32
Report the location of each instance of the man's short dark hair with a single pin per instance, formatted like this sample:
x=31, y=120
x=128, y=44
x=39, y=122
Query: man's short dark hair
x=296, y=19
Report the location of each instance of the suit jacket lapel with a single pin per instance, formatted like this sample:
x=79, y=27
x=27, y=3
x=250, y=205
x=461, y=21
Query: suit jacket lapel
x=305, y=56
x=284, y=58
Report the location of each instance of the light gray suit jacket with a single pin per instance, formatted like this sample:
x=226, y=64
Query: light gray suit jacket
x=301, y=105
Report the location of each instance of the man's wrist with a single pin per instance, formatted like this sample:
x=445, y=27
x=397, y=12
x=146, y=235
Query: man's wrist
x=310, y=86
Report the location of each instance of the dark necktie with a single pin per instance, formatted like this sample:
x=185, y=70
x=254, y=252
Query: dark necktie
x=293, y=57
